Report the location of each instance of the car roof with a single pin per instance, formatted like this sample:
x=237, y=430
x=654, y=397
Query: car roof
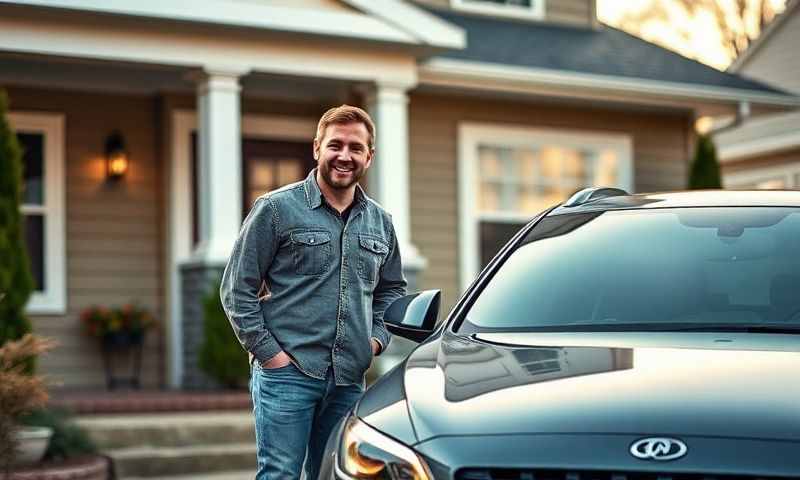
x=695, y=198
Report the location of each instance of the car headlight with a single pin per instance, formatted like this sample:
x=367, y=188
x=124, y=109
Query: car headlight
x=366, y=453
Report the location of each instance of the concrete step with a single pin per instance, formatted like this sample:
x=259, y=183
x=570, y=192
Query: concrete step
x=192, y=461
x=169, y=429
x=238, y=475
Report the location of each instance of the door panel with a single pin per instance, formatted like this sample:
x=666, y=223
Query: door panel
x=270, y=164
x=266, y=166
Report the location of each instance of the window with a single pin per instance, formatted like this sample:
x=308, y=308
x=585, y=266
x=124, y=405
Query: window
x=516, y=8
x=510, y=174
x=42, y=138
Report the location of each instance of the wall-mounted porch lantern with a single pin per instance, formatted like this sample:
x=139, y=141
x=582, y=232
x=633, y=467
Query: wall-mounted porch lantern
x=116, y=156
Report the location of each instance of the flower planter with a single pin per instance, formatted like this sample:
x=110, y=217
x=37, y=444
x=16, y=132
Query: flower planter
x=32, y=443
x=122, y=356
x=121, y=340
x=121, y=334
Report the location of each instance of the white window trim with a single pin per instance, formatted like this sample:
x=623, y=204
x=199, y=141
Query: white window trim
x=534, y=12
x=471, y=135
x=53, y=301
x=750, y=176
x=179, y=219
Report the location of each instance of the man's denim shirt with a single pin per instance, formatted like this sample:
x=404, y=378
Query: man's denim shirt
x=329, y=282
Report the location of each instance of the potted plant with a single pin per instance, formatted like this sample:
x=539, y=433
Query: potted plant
x=117, y=328
x=121, y=333
x=21, y=393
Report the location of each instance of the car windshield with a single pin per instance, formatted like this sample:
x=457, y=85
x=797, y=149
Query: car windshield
x=649, y=269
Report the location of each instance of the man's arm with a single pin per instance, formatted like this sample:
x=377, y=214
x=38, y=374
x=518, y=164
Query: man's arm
x=391, y=286
x=251, y=257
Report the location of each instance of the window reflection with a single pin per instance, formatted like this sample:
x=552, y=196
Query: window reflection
x=503, y=367
x=33, y=165
x=33, y=202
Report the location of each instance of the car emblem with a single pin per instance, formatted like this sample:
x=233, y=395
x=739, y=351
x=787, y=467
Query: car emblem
x=658, y=448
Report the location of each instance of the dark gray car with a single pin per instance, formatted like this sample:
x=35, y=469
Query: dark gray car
x=614, y=337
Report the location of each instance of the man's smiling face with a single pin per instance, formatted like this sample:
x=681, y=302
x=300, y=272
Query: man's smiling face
x=343, y=155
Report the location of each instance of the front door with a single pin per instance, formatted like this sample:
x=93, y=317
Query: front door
x=271, y=164
x=266, y=166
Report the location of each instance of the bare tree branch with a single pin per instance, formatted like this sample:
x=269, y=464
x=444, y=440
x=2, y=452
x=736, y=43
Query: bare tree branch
x=738, y=22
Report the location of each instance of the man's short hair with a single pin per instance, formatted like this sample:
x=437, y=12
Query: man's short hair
x=346, y=114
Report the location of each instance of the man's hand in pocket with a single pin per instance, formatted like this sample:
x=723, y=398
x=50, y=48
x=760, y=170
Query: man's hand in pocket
x=280, y=360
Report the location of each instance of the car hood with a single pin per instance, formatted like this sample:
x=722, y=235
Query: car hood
x=744, y=386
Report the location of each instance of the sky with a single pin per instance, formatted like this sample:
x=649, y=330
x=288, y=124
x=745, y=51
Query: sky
x=696, y=37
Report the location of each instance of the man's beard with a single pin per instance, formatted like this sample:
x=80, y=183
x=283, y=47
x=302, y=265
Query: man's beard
x=328, y=176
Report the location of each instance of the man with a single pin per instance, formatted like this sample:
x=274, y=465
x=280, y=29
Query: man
x=330, y=260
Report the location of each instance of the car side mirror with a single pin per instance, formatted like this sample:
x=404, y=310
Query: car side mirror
x=414, y=316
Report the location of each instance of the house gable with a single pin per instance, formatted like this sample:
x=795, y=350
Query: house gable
x=773, y=57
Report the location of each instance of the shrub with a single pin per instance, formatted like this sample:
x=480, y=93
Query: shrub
x=16, y=281
x=20, y=392
x=705, y=167
x=221, y=355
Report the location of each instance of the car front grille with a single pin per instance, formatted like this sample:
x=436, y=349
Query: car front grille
x=513, y=474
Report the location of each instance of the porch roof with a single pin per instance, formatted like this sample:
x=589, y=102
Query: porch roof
x=393, y=21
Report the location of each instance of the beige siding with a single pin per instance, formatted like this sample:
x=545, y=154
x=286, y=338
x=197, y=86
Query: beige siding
x=763, y=161
x=435, y=3
x=572, y=12
x=114, y=234
x=777, y=62
x=660, y=145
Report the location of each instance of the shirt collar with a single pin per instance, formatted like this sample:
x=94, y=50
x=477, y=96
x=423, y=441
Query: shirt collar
x=314, y=194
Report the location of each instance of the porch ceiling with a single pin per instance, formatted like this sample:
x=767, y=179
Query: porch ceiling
x=63, y=73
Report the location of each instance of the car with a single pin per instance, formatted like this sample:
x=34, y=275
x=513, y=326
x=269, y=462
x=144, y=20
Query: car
x=614, y=337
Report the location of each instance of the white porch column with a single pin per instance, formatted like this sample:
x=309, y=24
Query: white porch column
x=220, y=164
x=219, y=204
x=388, y=177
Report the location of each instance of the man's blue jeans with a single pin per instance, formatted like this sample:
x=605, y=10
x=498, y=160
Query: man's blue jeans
x=295, y=413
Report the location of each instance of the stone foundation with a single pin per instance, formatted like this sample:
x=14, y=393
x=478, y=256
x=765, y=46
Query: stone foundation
x=197, y=280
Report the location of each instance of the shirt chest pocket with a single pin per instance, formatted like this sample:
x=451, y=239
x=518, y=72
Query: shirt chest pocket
x=372, y=251
x=311, y=252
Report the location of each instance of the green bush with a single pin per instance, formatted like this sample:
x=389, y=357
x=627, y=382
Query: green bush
x=221, y=355
x=16, y=281
x=705, y=171
x=68, y=440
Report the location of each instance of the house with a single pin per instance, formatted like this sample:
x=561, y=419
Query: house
x=487, y=112
x=764, y=152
